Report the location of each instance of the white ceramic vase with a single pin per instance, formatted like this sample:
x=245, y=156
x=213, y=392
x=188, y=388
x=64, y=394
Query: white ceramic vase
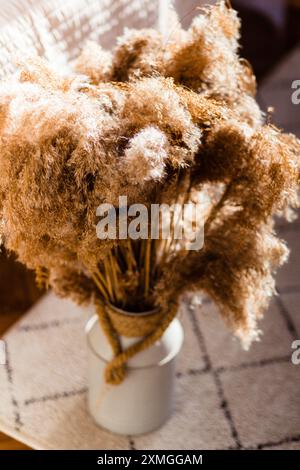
x=144, y=400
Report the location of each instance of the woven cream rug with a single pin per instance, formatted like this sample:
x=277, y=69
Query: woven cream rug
x=225, y=398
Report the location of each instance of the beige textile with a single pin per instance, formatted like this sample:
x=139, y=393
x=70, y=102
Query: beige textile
x=225, y=398
x=57, y=29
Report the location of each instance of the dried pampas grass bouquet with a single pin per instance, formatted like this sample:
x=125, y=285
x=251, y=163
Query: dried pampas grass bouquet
x=157, y=121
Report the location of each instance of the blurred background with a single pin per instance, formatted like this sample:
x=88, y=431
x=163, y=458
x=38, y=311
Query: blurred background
x=270, y=28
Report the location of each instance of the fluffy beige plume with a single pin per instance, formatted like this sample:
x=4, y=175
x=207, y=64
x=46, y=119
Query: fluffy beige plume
x=145, y=158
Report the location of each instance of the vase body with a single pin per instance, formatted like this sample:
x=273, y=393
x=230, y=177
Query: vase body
x=144, y=400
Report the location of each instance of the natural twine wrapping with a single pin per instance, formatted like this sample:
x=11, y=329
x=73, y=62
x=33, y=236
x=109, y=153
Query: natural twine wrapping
x=114, y=323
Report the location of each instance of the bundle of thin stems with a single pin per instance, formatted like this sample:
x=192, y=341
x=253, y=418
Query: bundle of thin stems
x=129, y=274
x=127, y=277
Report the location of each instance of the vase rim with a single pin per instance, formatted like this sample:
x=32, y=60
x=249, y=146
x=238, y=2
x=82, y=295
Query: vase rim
x=133, y=314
